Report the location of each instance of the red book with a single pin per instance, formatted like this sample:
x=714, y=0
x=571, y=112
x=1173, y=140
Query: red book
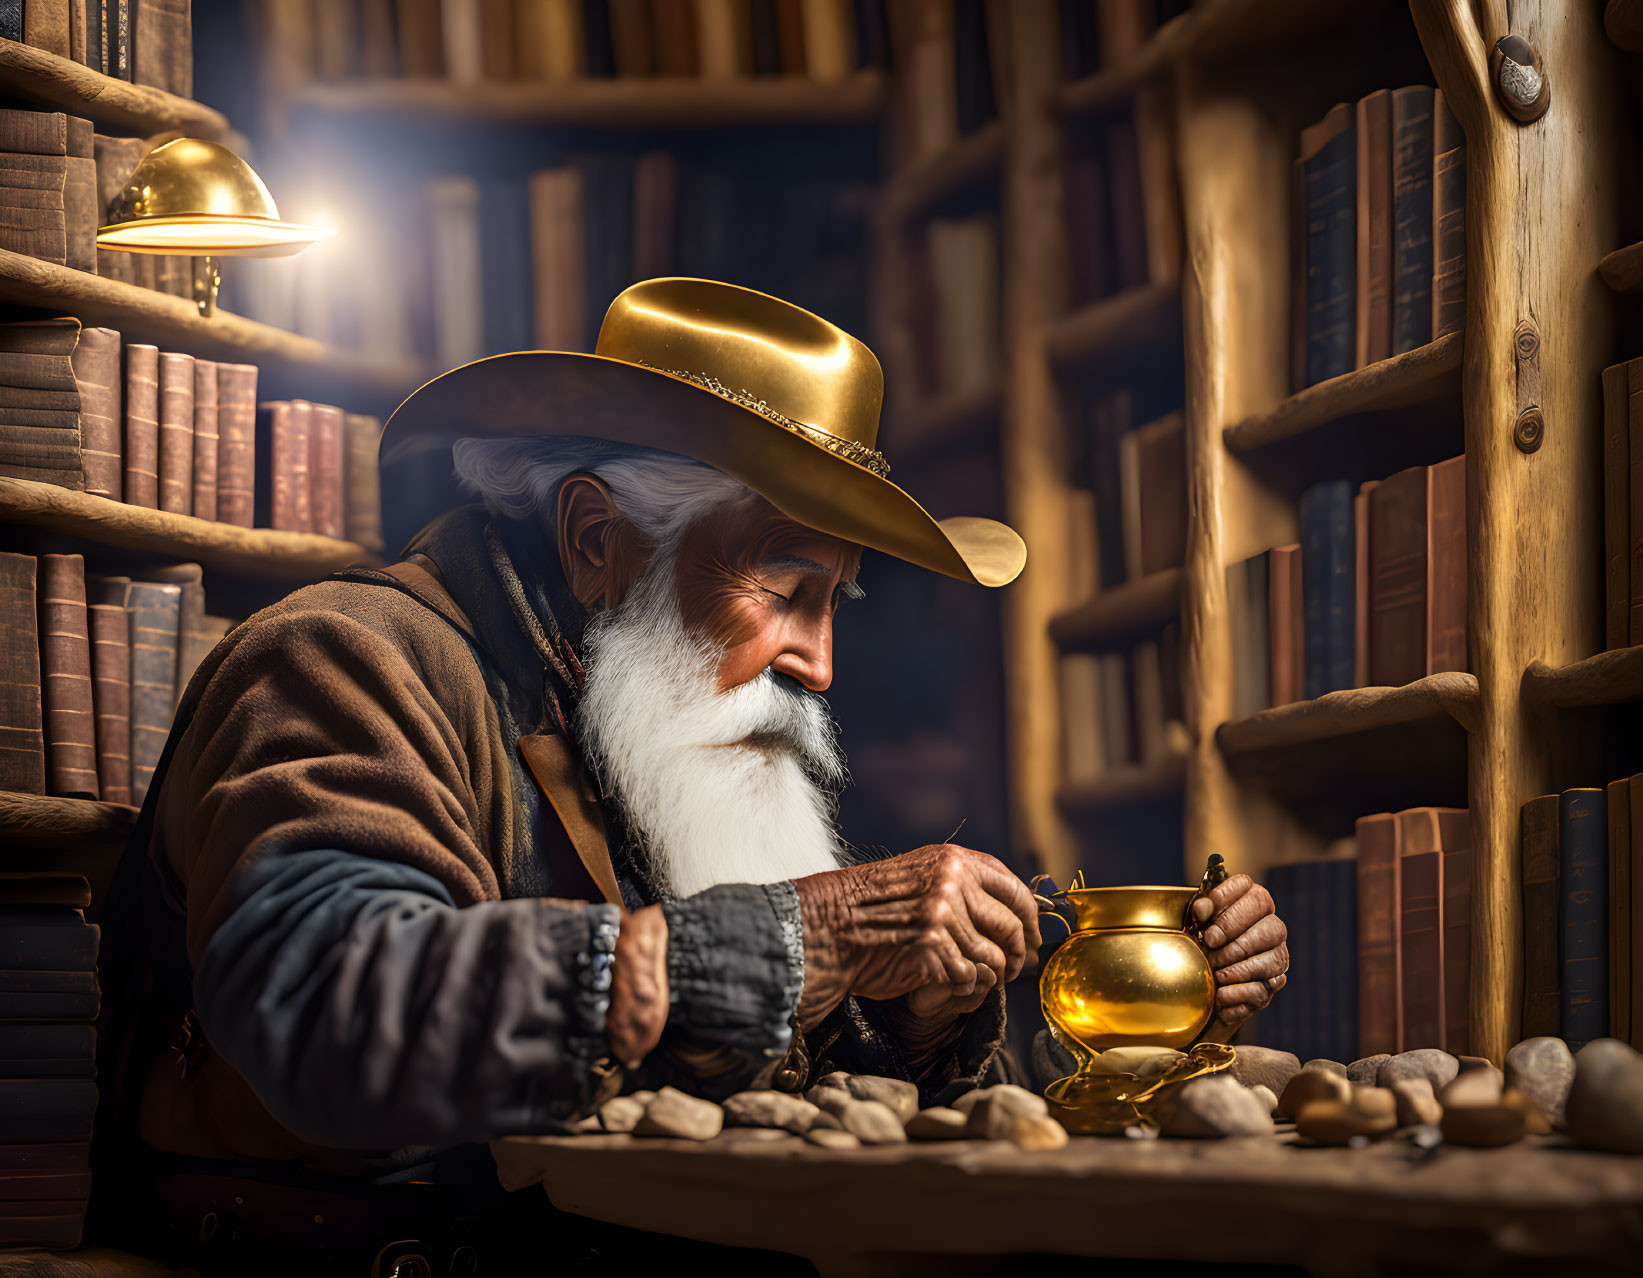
x=236, y=443
x=205, y=439
x=1446, y=566
x=142, y=425
x=1379, y=976
x=1286, y=625
x=1455, y=832
x=177, y=433
x=22, y=738
x=1397, y=579
x=325, y=470
x=1420, y=932
x=283, y=497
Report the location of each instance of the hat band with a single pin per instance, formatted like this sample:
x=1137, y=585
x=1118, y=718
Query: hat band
x=848, y=449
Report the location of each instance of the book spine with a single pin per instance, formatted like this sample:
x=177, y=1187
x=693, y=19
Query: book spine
x=1446, y=566
x=1420, y=936
x=142, y=425
x=1331, y=254
x=724, y=38
x=120, y=38
x=65, y=683
x=1634, y=910
x=96, y=364
x=1618, y=804
x=1455, y=834
x=11, y=20
x=1617, y=577
x=1583, y=943
x=236, y=443
x=1634, y=453
x=556, y=206
x=1327, y=562
x=46, y=26
x=80, y=213
x=24, y=132
x=22, y=735
x=111, y=696
x=1379, y=974
x=176, y=433
x=1284, y=589
x=1448, y=221
x=162, y=53
x=1542, y=988
x=1257, y=656
x=205, y=439
x=1398, y=579
x=154, y=616
x=1412, y=216
x=325, y=470
x=1373, y=286
x=362, y=509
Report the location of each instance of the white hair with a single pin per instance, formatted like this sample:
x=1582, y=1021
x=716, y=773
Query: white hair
x=662, y=493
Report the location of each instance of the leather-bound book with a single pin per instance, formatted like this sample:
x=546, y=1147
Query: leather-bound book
x=464, y=40
x=964, y=271
x=1412, y=217
x=32, y=218
x=556, y=208
x=1373, y=287
x=46, y=26
x=154, y=618
x=77, y=29
x=724, y=38
x=236, y=443
x=1328, y=560
x=1329, y=164
x=45, y=940
x=1634, y=454
x=1161, y=463
x=195, y=637
x=552, y=44
x=1379, y=919
x=284, y=498
x=1420, y=930
x=177, y=433
x=119, y=20
x=11, y=20
x=1448, y=220
x=1286, y=630
x=96, y=41
x=1617, y=576
x=80, y=213
x=45, y=887
x=673, y=38
x=504, y=248
x=1360, y=581
x=65, y=679
x=1455, y=836
x=1618, y=804
x=1634, y=909
x=498, y=40
x=1446, y=566
x=40, y=403
x=204, y=499
x=830, y=42
x=24, y=132
x=115, y=159
x=1583, y=931
x=655, y=214
x=106, y=600
x=631, y=38
x=1089, y=232
x=1254, y=658
x=421, y=38
x=50, y=1108
x=22, y=736
x=362, y=486
x=1542, y=895
x=142, y=425
x=1398, y=579
x=1297, y=276
x=790, y=37
x=1128, y=204
x=325, y=471
x=162, y=46
x=96, y=365
x=378, y=47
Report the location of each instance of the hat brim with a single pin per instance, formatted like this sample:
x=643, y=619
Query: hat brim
x=548, y=393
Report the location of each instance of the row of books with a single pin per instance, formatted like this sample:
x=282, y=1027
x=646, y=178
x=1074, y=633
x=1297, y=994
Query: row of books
x=49, y=1000
x=1582, y=862
x=1123, y=708
x=81, y=409
x=957, y=310
x=1096, y=34
x=58, y=180
x=468, y=41
x=944, y=54
x=1107, y=230
x=1623, y=504
x=145, y=41
x=93, y=668
x=1378, y=232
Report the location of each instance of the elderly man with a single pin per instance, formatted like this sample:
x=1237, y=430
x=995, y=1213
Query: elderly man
x=546, y=810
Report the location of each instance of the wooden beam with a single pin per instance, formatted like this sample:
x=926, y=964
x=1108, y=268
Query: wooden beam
x=1608, y=679
x=33, y=75
x=1126, y=787
x=1355, y=710
x=962, y=170
x=1622, y=270
x=1101, y=336
x=1121, y=615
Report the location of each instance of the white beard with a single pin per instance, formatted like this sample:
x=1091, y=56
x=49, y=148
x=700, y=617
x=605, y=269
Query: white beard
x=731, y=787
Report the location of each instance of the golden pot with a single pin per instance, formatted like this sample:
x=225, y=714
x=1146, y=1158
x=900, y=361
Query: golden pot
x=1129, y=975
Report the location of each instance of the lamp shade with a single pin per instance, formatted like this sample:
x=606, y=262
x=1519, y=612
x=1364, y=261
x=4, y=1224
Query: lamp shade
x=196, y=197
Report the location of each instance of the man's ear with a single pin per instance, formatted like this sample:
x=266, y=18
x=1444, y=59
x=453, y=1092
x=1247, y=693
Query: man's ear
x=600, y=550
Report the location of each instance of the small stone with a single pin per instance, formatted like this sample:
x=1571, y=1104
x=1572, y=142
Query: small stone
x=1268, y=1097
x=831, y=1138
x=1484, y=1126
x=1364, y=1072
x=1468, y=1063
x=1264, y=1065
x=1474, y=1087
x=672, y=1113
x=825, y=1122
x=993, y=1118
x=1218, y=1106
x=1038, y=1133
x=873, y=1123
x=1312, y=1085
x=838, y=1080
x=1534, y=1118
x=1434, y=1065
x=1416, y=1105
x=1375, y=1102
x=1543, y=1068
x=770, y=1109
x=1333, y=1067
x=643, y=1096
x=752, y=1135
x=621, y=1113
x=1013, y=1099
x=1605, y=1108
x=1339, y=1121
x=830, y=1100
x=900, y=1096
x=1143, y=1062
x=937, y=1123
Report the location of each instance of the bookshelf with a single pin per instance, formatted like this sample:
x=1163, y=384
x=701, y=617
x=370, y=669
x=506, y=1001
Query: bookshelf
x=52, y=82
x=1622, y=270
x=1116, y=616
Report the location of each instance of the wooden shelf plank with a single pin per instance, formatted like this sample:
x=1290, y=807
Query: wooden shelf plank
x=34, y=75
x=965, y=167
x=1339, y=714
x=1129, y=786
x=1114, y=86
x=1427, y=375
x=1100, y=336
x=1608, y=679
x=44, y=822
x=1116, y=616
x=618, y=103
x=177, y=323
x=961, y=421
x=1622, y=270
x=257, y=552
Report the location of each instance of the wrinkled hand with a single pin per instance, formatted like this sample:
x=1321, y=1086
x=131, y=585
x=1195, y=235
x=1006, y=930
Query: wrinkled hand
x=941, y=925
x=1246, y=941
x=638, y=987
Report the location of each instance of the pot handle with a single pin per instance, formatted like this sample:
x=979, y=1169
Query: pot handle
x=1215, y=874
x=1045, y=905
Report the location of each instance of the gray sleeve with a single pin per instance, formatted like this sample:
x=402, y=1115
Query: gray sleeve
x=367, y=1011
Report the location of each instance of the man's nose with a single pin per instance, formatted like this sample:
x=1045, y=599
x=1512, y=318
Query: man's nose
x=808, y=656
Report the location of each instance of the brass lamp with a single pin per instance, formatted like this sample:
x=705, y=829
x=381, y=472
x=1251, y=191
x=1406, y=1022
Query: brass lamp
x=198, y=198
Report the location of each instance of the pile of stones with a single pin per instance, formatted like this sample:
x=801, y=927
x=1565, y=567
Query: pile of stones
x=842, y=1111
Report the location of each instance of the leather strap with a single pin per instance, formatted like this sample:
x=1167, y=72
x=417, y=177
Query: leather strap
x=561, y=779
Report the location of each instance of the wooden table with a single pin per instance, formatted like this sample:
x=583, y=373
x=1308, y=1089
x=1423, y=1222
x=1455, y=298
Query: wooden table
x=969, y=1206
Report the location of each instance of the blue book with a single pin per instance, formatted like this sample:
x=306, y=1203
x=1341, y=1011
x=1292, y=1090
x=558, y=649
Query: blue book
x=1329, y=167
x=1329, y=586
x=1339, y=959
x=504, y=243
x=608, y=234
x=1583, y=930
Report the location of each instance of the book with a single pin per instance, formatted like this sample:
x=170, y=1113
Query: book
x=504, y=225
x=55, y=1156
x=40, y=427
x=362, y=504
x=1380, y=978
x=44, y=887
x=497, y=39
x=1446, y=566
x=24, y=132
x=724, y=38
x=162, y=45
x=655, y=214
x=1161, y=498
x=11, y=20
x=22, y=734
x=630, y=38
x=77, y=19
x=96, y=368
x=176, y=433
x=115, y=159
x=325, y=470
x=1329, y=176
x=607, y=239
x=1448, y=220
x=924, y=36
x=1617, y=489
x=65, y=679
x=204, y=497
x=154, y=612
x=464, y=40
x=1083, y=753
x=1583, y=921
x=1338, y=945
x=1634, y=453
x=556, y=202
x=81, y=213
x=194, y=638
x=1398, y=568
x=283, y=498
x=1634, y=909
x=964, y=267
x=1089, y=230
x=142, y=425
x=50, y=944
x=1285, y=625
x=1618, y=806
x=1412, y=217
x=1252, y=659
x=421, y=38
x=119, y=20
x=1147, y=699
x=46, y=26
x=552, y=41
x=1127, y=204
x=1117, y=718
x=1328, y=559
x=793, y=59
x=1542, y=896
x=110, y=629
x=236, y=443
x=1238, y=630
x=1455, y=838
x=459, y=303
x=33, y=217
x=673, y=38
x=1372, y=287
x=1420, y=929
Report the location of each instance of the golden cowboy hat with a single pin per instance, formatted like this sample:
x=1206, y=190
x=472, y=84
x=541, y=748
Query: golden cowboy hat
x=770, y=394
